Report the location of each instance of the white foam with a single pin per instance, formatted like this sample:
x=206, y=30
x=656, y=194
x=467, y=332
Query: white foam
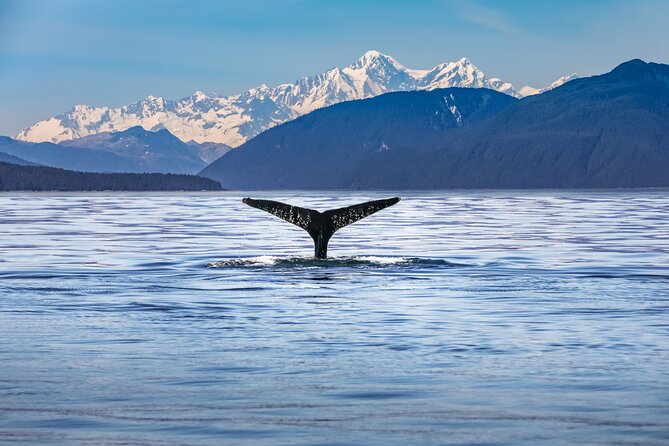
x=270, y=261
x=379, y=260
x=249, y=261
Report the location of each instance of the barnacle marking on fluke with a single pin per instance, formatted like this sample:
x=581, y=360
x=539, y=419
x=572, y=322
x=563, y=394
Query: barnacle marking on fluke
x=321, y=225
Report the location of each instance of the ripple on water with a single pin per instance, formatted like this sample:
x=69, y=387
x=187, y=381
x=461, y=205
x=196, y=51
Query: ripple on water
x=476, y=317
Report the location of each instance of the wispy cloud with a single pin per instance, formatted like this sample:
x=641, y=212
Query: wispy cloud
x=485, y=16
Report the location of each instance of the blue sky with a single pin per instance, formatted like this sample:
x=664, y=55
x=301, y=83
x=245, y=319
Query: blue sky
x=57, y=53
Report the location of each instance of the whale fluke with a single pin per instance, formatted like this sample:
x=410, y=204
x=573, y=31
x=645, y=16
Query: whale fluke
x=321, y=225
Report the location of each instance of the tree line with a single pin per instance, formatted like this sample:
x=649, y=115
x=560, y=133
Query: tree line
x=14, y=177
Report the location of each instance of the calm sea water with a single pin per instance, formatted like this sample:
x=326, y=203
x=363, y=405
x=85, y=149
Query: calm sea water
x=451, y=318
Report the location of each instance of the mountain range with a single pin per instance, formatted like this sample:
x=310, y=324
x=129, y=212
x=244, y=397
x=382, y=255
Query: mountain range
x=233, y=120
x=7, y=158
x=610, y=130
x=133, y=150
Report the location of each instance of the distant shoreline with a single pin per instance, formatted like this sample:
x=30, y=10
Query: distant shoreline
x=409, y=192
x=21, y=178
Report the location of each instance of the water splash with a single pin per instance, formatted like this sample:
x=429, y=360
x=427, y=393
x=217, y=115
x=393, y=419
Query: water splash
x=333, y=262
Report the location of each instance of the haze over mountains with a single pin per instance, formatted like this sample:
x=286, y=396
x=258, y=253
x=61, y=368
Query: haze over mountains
x=133, y=150
x=604, y=131
x=233, y=120
x=7, y=158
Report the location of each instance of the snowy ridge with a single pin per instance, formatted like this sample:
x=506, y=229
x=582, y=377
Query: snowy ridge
x=232, y=120
x=530, y=91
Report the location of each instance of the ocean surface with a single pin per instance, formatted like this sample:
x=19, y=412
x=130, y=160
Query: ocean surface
x=487, y=318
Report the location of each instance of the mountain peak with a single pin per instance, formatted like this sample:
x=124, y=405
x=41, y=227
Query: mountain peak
x=199, y=95
x=138, y=131
x=563, y=80
x=81, y=108
x=372, y=54
x=531, y=91
x=633, y=62
x=372, y=57
x=135, y=130
x=260, y=89
x=631, y=66
x=152, y=102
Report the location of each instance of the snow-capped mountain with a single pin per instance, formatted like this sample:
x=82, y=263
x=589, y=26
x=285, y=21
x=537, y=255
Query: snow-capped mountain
x=232, y=120
x=530, y=91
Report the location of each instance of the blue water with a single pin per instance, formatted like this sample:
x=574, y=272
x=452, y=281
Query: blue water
x=484, y=318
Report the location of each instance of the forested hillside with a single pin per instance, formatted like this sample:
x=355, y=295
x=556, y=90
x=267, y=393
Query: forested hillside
x=14, y=177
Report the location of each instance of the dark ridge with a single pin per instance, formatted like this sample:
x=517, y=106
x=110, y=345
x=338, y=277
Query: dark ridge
x=7, y=158
x=14, y=177
x=605, y=131
x=323, y=148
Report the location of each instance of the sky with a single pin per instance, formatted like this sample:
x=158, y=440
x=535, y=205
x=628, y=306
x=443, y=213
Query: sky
x=58, y=53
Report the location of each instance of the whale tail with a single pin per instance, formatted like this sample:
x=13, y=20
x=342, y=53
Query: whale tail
x=321, y=225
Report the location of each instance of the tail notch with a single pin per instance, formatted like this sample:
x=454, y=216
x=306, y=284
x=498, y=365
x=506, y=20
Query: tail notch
x=321, y=225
